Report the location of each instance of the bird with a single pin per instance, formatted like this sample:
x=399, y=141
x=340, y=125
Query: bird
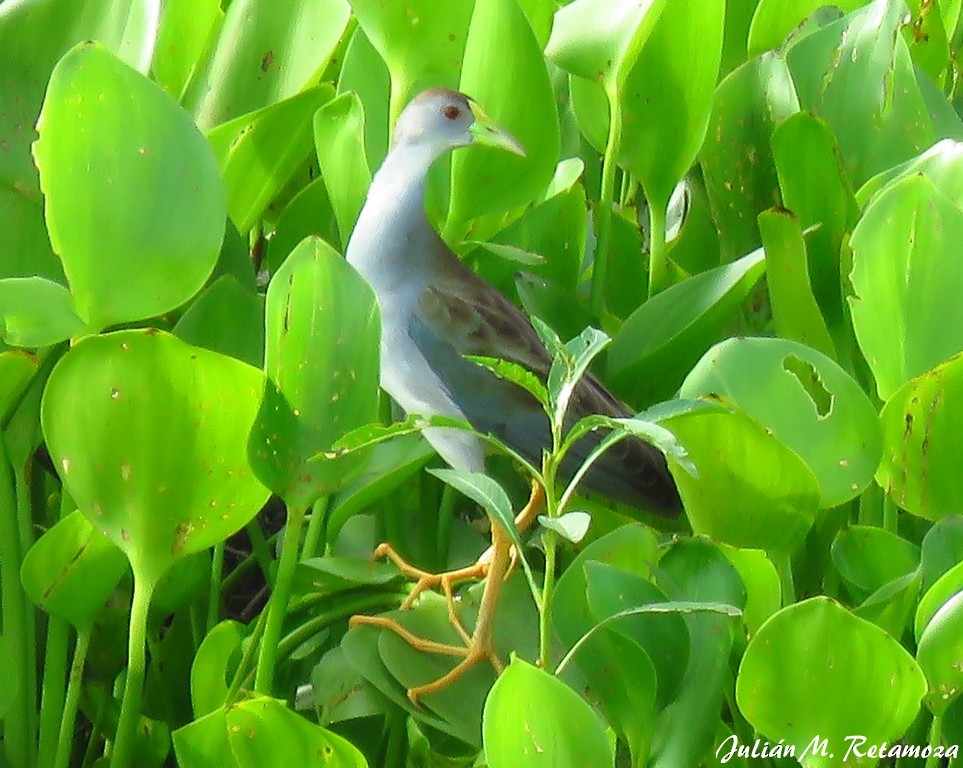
x=436, y=315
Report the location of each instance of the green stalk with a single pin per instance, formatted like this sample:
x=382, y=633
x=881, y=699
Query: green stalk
x=214, y=597
x=280, y=595
x=134, y=684
x=658, y=263
x=72, y=700
x=935, y=738
x=52, y=698
x=17, y=733
x=603, y=219
x=315, y=538
x=890, y=514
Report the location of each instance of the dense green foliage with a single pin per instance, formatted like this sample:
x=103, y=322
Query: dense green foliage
x=758, y=202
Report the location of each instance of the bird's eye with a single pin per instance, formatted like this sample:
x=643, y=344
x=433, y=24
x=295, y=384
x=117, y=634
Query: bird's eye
x=451, y=112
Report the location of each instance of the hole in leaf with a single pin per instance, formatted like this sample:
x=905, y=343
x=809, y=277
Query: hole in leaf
x=811, y=381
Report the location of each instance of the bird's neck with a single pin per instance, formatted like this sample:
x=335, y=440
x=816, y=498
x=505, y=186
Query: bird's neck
x=392, y=224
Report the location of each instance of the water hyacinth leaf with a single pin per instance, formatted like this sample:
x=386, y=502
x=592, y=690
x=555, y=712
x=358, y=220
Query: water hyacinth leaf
x=488, y=180
x=309, y=213
x=794, y=308
x=600, y=39
x=323, y=331
x=667, y=96
x=775, y=19
x=936, y=596
x=921, y=422
x=752, y=490
x=215, y=658
x=421, y=47
x=939, y=654
x=695, y=570
x=226, y=318
x=364, y=73
x=663, y=636
x=16, y=369
x=519, y=731
x=261, y=731
x=264, y=53
x=71, y=571
x=942, y=164
x=807, y=401
x=659, y=343
x=747, y=106
x=34, y=34
x=36, y=312
x=831, y=691
x=761, y=580
x=815, y=189
x=122, y=260
x=860, y=66
x=339, y=144
x=904, y=307
x=148, y=434
x=259, y=152
x=942, y=550
x=186, y=27
x=868, y=557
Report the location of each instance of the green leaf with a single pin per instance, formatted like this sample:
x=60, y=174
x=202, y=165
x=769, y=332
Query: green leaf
x=264, y=53
x=515, y=373
x=868, y=557
x=259, y=152
x=123, y=261
x=148, y=434
x=364, y=72
x=339, y=143
x=323, y=331
x=831, y=689
x=942, y=164
x=261, y=732
x=775, y=19
x=16, y=369
x=485, y=492
x=794, y=308
x=814, y=188
x=761, y=580
x=34, y=34
x=921, y=449
x=948, y=585
x=216, y=657
x=35, y=312
x=905, y=270
x=659, y=343
x=939, y=654
x=421, y=47
x=569, y=368
x=226, y=318
x=737, y=161
x=752, y=490
x=485, y=180
x=72, y=570
x=519, y=731
x=857, y=75
x=186, y=29
x=806, y=400
x=572, y=526
x=668, y=93
x=601, y=39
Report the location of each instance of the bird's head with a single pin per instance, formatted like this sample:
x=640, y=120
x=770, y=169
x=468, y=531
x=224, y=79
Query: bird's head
x=445, y=119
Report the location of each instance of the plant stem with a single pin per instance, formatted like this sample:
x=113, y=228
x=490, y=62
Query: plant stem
x=890, y=514
x=17, y=734
x=658, y=277
x=783, y=563
x=550, y=541
x=280, y=595
x=315, y=538
x=134, y=683
x=935, y=738
x=52, y=698
x=214, y=598
x=68, y=720
x=603, y=219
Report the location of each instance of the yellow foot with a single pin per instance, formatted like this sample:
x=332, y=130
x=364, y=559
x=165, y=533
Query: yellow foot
x=496, y=563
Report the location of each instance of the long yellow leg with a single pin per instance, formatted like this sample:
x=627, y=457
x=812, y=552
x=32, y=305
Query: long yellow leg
x=495, y=564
